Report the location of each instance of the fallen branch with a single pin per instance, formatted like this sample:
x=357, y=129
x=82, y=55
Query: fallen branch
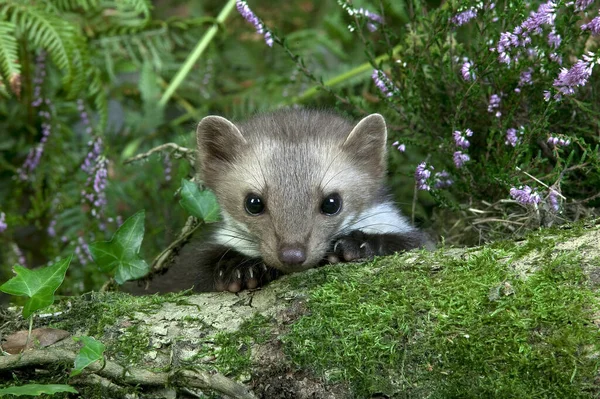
x=131, y=376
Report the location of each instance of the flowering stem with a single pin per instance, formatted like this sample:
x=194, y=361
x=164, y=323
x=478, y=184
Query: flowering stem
x=195, y=55
x=367, y=66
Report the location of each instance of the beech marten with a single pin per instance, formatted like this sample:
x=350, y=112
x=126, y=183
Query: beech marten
x=297, y=189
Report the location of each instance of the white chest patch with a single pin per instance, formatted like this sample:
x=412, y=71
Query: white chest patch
x=236, y=235
x=382, y=218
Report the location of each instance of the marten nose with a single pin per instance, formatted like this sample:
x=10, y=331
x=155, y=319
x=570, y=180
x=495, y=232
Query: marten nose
x=292, y=254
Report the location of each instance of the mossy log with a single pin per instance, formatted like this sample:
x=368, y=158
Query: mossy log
x=509, y=319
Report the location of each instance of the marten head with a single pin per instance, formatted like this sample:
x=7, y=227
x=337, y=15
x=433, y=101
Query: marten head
x=289, y=182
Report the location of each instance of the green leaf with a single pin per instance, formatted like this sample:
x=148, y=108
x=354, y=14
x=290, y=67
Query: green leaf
x=201, y=204
x=37, y=390
x=91, y=352
x=122, y=251
x=39, y=284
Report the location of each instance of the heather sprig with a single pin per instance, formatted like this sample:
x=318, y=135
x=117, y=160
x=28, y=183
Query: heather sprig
x=373, y=19
x=464, y=17
x=383, y=83
x=249, y=16
x=3, y=224
x=577, y=75
x=399, y=147
x=467, y=71
x=460, y=138
x=494, y=105
x=442, y=180
x=593, y=26
x=422, y=175
x=460, y=159
x=558, y=142
x=525, y=195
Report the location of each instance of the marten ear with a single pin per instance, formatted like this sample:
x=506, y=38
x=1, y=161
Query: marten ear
x=366, y=143
x=219, y=141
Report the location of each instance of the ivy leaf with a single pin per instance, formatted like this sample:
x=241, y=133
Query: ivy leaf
x=201, y=204
x=38, y=284
x=122, y=252
x=91, y=352
x=37, y=389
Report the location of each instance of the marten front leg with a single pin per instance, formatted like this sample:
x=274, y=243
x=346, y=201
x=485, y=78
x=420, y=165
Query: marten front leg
x=224, y=269
x=360, y=246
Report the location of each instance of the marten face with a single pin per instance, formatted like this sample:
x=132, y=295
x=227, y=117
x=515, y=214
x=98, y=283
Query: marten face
x=288, y=185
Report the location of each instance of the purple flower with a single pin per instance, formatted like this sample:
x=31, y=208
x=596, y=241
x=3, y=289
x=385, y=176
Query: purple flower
x=35, y=154
x=422, y=174
x=556, y=141
x=96, y=166
x=3, y=224
x=545, y=15
x=50, y=230
x=593, y=26
x=400, y=147
x=553, y=199
x=520, y=37
x=168, y=165
x=460, y=159
x=525, y=78
x=525, y=195
x=460, y=139
x=383, y=83
x=82, y=251
x=249, y=16
x=556, y=58
x=554, y=39
x=511, y=137
x=464, y=17
x=581, y=5
x=442, y=180
x=494, y=105
x=578, y=75
x=20, y=256
x=467, y=71
x=547, y=95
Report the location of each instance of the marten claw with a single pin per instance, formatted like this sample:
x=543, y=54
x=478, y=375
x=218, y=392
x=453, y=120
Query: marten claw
x=234, y=273
x=353, y=247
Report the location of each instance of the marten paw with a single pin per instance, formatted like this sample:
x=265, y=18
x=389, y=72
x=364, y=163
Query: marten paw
x=236, y=273
x=353, y=247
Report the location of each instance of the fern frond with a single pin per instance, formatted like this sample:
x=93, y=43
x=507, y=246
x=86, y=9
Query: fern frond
x=75, y=5
x=45, y=31
x=9, y=55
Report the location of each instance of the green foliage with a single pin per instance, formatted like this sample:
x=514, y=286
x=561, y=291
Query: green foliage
x=121, y=253
x=91, y=351
x=201, y=204
x=39, y=285
x=37, y=390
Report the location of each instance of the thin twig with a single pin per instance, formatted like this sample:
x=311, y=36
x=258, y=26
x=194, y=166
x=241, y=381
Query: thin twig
x=178, y=150
x=540, y=182
x=190, y=227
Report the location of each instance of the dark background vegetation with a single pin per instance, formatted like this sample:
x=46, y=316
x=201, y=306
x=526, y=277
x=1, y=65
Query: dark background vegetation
x=122, y=56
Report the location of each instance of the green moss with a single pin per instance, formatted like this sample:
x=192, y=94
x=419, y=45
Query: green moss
x=233, y=353
x=471, y=328
x=97, y=311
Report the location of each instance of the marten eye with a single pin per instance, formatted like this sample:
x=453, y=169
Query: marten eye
x=254, y=204
x=331, y=204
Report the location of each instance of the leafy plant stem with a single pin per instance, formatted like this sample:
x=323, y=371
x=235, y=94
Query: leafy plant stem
x=343, y=76
x=195, y=55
